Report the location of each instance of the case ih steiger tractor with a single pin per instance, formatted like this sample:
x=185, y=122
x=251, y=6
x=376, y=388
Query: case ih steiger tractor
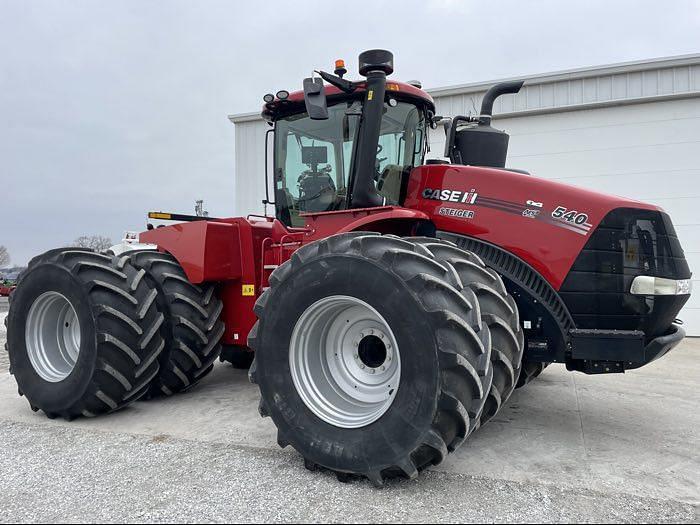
x=391, y=304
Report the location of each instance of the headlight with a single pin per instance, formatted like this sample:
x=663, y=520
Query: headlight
x=647, y=285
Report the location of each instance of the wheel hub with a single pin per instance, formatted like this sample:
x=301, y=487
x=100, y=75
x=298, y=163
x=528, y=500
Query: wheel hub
x=52, y=336
x=344, y=361
x=372, y=351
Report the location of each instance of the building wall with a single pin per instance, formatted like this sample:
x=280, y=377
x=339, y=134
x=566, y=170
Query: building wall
x=631, y=130
x=249, y=181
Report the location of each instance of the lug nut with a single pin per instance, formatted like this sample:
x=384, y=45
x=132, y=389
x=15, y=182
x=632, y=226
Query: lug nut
x=371, y=370
x=362, y=367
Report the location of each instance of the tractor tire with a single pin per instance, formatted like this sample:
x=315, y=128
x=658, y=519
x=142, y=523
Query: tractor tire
x=498, y=311
x=83, y=333
x=192, y=328
x=240, y=357
x=531, y=370
x=389, y=393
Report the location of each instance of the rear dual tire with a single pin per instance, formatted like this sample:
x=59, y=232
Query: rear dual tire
x=192, y=327
x=418, y=303
x=89, y=333
x=83, y=333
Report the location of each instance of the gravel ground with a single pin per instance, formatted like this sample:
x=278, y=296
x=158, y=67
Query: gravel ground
x=65, y=475
x=68, y=474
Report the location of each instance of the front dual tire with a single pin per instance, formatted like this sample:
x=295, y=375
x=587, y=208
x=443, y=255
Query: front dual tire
x=340, y=295
x=352, y=381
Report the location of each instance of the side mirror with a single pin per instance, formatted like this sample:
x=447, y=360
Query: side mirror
x=315, y=99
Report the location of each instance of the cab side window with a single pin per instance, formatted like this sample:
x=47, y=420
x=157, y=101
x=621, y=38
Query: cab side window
x=400, y=148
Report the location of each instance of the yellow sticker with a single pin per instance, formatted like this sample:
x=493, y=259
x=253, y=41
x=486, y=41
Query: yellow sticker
x=248, y=290
x=370, y=93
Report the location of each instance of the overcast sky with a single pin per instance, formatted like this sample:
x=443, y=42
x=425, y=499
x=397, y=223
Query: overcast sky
x=111, y=109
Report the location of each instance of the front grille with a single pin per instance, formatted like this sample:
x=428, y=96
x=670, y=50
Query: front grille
x=628, y=242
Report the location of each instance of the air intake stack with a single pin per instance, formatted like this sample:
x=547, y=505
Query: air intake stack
x=375, y=64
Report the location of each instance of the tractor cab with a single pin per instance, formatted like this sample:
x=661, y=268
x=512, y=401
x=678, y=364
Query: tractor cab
x=346, y=144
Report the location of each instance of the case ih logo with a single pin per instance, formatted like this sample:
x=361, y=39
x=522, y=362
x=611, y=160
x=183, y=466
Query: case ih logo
x=465, y=197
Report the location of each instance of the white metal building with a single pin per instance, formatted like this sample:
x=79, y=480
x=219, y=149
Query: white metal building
x=630, y=129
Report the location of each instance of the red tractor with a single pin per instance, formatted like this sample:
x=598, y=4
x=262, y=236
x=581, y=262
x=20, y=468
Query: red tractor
x=390, y=306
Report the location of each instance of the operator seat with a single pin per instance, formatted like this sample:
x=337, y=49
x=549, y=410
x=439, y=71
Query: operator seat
x=317, y=192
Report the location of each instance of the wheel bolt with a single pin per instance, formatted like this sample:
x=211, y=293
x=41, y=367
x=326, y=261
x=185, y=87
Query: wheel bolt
x=371, y=370
x=383, y=368
x=362, y=367
x=357, y=356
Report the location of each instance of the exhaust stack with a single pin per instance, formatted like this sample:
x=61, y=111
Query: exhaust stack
x=504, y=88
x=477, y=143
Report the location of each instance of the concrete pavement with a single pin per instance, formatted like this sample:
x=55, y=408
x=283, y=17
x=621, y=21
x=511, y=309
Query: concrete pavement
x=567, y=446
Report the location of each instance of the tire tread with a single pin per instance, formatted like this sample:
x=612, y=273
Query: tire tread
x=191, y=323
x=464, y=341
x=117, y=302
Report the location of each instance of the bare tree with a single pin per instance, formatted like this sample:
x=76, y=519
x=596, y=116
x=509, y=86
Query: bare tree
x=94, y=242
x=4, y=256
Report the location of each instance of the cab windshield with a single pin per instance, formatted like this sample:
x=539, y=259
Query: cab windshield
x=313, y=158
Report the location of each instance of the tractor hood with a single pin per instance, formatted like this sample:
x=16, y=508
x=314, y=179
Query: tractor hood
x=515, y=211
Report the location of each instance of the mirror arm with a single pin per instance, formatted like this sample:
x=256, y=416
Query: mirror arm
x=344, y=85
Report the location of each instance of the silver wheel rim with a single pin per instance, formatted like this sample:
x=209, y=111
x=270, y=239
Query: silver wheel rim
x=345, y=361
x=52, y=336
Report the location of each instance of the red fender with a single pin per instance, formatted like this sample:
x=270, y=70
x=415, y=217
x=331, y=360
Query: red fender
x=382, y=219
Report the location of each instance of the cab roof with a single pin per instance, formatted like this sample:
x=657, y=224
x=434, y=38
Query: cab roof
x=295, y=102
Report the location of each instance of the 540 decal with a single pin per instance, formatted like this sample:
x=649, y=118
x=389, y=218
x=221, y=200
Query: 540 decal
x=572, y=216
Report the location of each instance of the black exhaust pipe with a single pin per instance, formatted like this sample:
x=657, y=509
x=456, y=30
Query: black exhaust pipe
x=477, y=143
x=375, y=64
